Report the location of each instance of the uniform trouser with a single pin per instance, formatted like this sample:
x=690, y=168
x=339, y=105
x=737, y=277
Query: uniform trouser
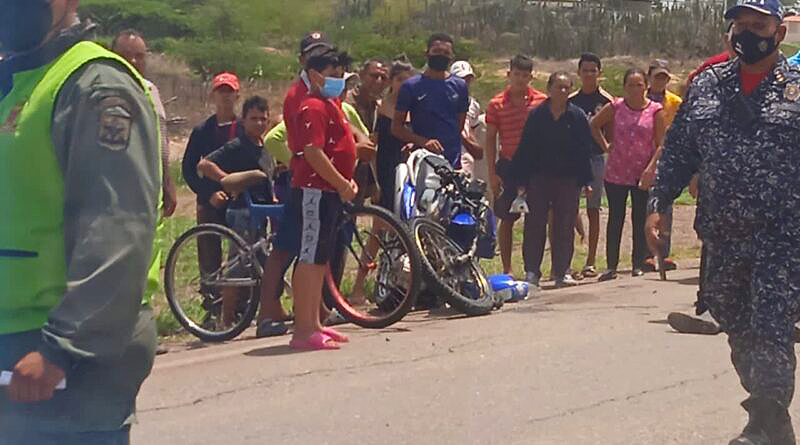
x=700, y=305
x=752, y=289
x=617, y=202
x=209, y=247
x=98, y=405
x=562, y=196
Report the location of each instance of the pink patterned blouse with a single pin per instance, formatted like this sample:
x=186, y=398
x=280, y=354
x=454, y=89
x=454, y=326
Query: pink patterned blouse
x=633, y=145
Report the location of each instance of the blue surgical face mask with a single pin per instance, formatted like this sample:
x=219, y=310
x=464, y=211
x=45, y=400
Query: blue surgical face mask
x=333, y=87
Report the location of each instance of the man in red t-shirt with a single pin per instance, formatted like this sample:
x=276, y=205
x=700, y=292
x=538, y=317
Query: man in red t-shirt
x=505, y=117
x=322, y=170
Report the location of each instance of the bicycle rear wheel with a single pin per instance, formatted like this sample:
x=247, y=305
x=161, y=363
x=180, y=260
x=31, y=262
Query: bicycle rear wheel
x=462, y=283
x=381, y=272
x=196, y=296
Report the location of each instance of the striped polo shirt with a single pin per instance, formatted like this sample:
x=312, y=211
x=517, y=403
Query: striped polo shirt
x=510, y=119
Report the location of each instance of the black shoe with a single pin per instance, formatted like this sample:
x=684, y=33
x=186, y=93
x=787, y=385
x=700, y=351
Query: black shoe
x=271, y=328
x=759, y=438
x=769, y=424
x=608, y=275
x=636, y=272
x=686, y=324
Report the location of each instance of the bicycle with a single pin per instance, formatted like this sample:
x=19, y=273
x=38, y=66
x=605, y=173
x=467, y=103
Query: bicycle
x=449, y=220
x=390, y=288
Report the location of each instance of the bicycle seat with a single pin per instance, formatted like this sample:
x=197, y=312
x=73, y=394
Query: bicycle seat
x=261, y=212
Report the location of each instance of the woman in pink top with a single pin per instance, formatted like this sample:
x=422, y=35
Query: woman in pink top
x=639, y=127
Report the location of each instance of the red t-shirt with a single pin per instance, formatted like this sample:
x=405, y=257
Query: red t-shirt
x=291, y=107
x=323, y=124
x=719, y=58
x=751, y=80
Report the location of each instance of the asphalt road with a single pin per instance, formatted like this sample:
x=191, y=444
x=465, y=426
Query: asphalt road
x=594, y=364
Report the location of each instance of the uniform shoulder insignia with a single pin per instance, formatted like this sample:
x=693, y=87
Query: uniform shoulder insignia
x=115, y=122
x=792, y=92
x=10, y=124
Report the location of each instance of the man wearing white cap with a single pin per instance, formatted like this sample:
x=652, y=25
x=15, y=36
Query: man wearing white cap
x=472, y=153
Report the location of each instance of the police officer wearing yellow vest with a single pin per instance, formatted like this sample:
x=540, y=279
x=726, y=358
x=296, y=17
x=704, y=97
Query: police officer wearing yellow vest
x=79, y=196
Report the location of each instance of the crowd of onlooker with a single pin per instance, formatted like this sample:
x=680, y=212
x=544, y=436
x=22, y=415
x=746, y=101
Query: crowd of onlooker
x=544, y=149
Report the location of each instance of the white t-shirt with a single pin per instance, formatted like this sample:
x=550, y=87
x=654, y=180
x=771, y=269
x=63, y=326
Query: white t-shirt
x=162, y=117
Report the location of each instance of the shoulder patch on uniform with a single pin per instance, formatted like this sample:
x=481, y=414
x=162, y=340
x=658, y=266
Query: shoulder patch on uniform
x=792, y=92
x=10, y=124
x=115, y=122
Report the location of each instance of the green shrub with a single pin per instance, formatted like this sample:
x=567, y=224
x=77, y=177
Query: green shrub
x=208, y=57
x=150, y=17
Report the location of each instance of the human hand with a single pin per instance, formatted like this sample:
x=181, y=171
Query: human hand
x=34, y=379
x=434, y=146
x=349, y=191
x=588, y=190
x=653, y=227
x=366, y=150
x=219, y=199
x=169, y=199
x=647, y=179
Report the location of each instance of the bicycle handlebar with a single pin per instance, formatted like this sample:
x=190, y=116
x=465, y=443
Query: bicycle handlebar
x=450, y=176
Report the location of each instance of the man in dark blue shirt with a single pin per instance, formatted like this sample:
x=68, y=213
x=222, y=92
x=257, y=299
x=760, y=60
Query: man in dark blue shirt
x=438, y=103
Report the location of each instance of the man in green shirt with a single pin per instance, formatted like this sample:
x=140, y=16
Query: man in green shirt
x=79, y=148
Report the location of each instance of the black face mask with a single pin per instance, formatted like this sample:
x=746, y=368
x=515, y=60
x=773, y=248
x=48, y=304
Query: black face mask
x=24, y=24
x=751, y=47
x=438, y=62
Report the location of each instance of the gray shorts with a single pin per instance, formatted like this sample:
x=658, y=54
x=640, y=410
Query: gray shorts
x=594, y=200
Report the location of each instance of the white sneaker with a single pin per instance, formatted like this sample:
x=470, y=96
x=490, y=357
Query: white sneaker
x=566, y=281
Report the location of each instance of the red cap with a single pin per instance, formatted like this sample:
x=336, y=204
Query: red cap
x=228, y=79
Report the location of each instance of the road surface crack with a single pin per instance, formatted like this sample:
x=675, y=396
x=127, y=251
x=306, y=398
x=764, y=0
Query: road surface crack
x=266, y=383
x=637, y=395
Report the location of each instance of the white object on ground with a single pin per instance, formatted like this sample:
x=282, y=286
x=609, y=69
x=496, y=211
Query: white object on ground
x=5, y=380
x=519, y=205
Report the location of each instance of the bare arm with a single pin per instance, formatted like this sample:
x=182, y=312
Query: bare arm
x=400, y=131
x=211, y=170
x=659, y=130
x=600, y=121
x=495, y=182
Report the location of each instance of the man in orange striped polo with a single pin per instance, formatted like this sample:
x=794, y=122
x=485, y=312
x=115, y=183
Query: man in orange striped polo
x=505, y=117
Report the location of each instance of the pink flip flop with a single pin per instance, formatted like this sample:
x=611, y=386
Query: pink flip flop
x=335, y=335
x=316, y=342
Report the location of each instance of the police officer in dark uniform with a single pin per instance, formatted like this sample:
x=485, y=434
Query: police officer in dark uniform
x=739, y=128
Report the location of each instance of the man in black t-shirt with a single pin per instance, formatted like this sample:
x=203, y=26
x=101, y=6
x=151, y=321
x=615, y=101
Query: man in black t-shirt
x=217, y=130
x=591, y=98
x=243, y=153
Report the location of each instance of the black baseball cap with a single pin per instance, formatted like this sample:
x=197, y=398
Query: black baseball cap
x=769, y=7
x=313, y=40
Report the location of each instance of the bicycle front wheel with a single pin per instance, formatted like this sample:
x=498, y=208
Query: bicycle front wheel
x=381, y=271
x=460, y=281
x=210, y=270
